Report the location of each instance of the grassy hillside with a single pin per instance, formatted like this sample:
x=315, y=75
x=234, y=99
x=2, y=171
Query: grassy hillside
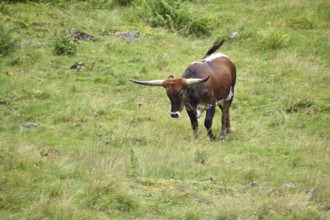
x=88, y=144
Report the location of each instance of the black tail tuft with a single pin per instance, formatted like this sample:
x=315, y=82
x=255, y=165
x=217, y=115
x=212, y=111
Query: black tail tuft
x=215, y=47
x=218, y=43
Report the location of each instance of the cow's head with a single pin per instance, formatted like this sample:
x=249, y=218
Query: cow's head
x=176, y=89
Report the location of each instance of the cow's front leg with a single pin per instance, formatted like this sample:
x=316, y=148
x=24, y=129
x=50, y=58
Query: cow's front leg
x=210, y=110
x=193, y=120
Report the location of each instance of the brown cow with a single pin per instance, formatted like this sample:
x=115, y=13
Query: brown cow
x=203, y=85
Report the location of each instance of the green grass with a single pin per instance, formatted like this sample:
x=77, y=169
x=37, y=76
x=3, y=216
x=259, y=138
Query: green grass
x=105, y=148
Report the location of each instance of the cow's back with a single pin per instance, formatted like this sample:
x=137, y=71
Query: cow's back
x=222, y=74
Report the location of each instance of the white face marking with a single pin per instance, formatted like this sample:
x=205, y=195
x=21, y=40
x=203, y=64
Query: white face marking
x=176, y=113
x=215, y=56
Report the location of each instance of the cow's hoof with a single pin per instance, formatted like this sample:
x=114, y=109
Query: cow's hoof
x=212, y=137
x=222, y=139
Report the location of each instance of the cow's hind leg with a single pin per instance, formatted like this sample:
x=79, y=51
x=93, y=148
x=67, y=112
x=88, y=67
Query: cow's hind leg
x=223, y=123
x=225, y=120
x=210, y=110
x=227, y=105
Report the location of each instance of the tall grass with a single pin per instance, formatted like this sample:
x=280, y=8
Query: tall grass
x=104, y=148
x=7, y=39
x=64, y=45
x=174, y=16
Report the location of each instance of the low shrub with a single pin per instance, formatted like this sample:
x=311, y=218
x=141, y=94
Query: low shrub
x=123, y=2
x=273, y=38
x=4, y=9
x=174, y=16
x=302, y=22
x=7, y=39
x=64, y=45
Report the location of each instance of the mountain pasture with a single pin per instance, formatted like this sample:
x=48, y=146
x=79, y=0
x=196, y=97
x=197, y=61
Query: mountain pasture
x=79, y=141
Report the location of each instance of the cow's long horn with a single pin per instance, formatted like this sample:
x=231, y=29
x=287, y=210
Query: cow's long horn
x=194, y=81
x=149, y=83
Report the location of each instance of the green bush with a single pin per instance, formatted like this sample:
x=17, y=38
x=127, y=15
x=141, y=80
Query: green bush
x=123, y=2
x=4, y=9
x=174, y=16
x=64, y=45
x=7, y=40
x=274, y=39
x=199, y=27
x=22, y=1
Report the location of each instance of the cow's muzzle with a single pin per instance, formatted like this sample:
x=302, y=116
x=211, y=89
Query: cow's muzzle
x=175, y=114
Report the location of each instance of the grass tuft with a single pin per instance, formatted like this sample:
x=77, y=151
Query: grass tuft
x=273, y=38
x=7, y=39
x=86, y=143
x=174, y=16
x=64, y=45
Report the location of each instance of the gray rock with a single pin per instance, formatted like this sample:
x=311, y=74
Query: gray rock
x=213, y=181
x=270, y=112
x=4, y=102
x=78, y=66
x=310, y=194
x=77, y=35
x=29, y=125
x=128, y=36
x=288, y=185
x=327, y=207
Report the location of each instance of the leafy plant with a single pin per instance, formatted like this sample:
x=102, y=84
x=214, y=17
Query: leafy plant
x=4, y=9
x=123, y=2
x=64, y=45
x=273, y=38
x=7, y=40
x=122, y=157
x=174, y=16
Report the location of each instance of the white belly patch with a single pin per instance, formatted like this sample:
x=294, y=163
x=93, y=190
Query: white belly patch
x=201, y=108
x=230, y=95
x=199, y=111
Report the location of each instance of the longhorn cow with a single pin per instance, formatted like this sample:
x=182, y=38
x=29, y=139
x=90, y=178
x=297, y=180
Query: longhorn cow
x=204, y=85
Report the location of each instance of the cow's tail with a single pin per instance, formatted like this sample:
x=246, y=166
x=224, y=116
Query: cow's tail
x=218, y=43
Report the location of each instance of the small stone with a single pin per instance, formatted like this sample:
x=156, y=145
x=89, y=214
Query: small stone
x=270, y=112
x=4, y=101
x=275, y=193
x=29, y=125
x=310, y=193
x=77, y=35
x=50, y=153
x=164, y=56
x=213, y=181
x=288, y=185
x=253, y=184
x=128, y=36
x=327, y=207
x=17, y=61
x=78, y=66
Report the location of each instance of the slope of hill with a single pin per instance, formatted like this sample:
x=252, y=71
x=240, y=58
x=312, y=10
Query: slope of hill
x=79, y=141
